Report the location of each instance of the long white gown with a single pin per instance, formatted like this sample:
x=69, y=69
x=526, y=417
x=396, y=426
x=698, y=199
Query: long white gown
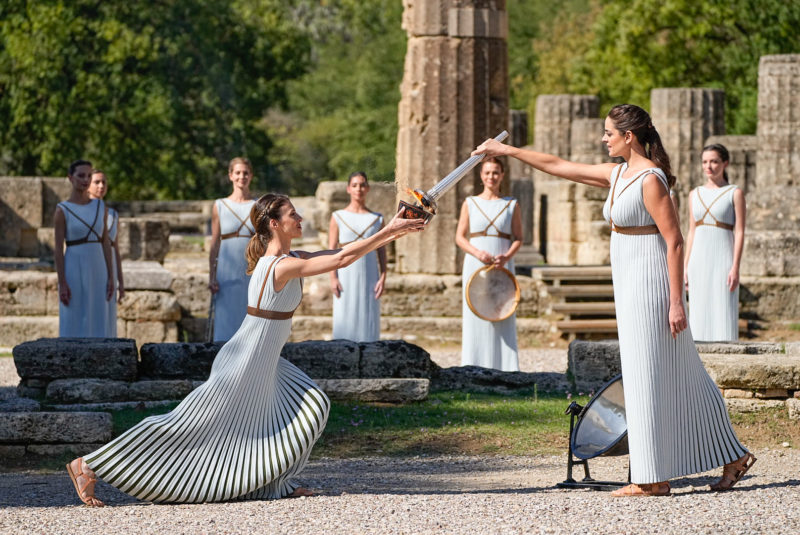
x=713, y=309
x=243, y=434
x=86, y=316
x=677, y=420
x=356, y=312
x=486, y=343
x=231, y=299
x=111, y=315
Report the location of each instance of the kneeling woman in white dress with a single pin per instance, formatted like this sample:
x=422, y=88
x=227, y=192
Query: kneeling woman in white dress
x=714, y=251
x=489, y=232
x=358, y=287
x=230, y=232
x=247, y=431
x=85, y=277
x=677, y=420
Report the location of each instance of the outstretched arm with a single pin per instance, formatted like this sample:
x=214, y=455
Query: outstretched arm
x=660, y=208
x=591, y=175
x=740, y=211
x=325, y=261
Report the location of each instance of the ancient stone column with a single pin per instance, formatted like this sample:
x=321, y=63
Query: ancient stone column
x=555, y=210
x=685, y=118
x=772, y=238
x=454, y=95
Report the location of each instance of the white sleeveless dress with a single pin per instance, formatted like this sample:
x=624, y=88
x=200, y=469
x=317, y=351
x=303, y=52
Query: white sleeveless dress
x=243, y=434
x=486, y=343
x=677, y=420
x=231, y=299
x=713, y=309
x=356, y=312
x=86, y=316
x=111, y=317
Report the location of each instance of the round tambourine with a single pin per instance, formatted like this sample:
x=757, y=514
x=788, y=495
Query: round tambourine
x=492, y=293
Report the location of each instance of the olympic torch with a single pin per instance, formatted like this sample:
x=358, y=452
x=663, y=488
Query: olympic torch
x=425, y=206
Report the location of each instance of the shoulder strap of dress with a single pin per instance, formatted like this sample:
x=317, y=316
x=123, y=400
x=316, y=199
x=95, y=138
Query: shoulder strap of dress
x=266, y=278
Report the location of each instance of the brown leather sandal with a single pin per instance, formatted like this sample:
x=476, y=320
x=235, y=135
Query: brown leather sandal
x=733, y=472
x=88, y=499
x=650, y=489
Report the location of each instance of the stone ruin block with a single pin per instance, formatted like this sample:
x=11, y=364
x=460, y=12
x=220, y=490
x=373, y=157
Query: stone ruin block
x=337, y=359
x=58, y=358
x=773, y=208
x=770, y=298
x=178, y=361
x=586, y=141
x=55, y=427
x=28, y=293
x=406, y=360
x=151, y=332
x=554, y=121
x=376, y=390
x=685, y=118
x=771, y=253
x=106, y=391
x=143, y=239
x=16, y=330
x=778, y=120
x=144, y=305
x=20, y=215
x=54, y=190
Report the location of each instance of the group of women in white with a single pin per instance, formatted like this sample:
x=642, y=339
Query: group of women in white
x=87, y=257
x=247, y=432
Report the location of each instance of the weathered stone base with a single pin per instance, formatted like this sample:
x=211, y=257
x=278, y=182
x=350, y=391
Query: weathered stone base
x=375, y=390
x=54, y=427
x=479, y=379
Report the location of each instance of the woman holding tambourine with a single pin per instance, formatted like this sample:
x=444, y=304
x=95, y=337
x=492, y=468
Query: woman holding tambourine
x=489, y=232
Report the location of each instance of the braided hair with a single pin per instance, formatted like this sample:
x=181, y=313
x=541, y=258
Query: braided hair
x=266, y=208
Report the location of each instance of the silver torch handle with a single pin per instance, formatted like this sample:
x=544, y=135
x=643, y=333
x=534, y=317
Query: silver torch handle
x=455, y=175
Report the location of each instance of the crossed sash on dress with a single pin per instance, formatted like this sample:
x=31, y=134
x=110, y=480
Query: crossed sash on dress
x=359, y=235
x=716, y=222
x=85, y=239
x=485, y=232
x=243, y=223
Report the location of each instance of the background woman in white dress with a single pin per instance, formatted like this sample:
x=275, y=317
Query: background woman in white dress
x=489, y=231
x=85, y=279
x=677, y=421
x=230, y=232
x=714, y=250
x=358, y=287
x=247, y=431
x=97, y=190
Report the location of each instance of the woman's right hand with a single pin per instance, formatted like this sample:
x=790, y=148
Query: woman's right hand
x=400, y=226
x=213, y=285
x=336, y=287
x=64, y=294
x=491, y=147
x=485, y=257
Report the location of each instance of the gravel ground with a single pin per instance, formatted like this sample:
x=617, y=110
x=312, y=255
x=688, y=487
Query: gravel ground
x=430, y=495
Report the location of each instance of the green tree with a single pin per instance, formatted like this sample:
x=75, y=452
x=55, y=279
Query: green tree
x=625, y=48
x=160, y=95
x=342, y=115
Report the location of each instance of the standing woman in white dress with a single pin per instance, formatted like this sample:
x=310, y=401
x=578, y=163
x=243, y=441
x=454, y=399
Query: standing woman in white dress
x=677, y=421
x=489, y=231
x=358, y=287
x=714, y=250
x=97, y=190
x=85, y=277
x=231, y=230
x=246, y=432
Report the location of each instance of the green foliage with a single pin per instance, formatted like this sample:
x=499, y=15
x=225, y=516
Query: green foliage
x=160, y=97
x=621, y=49
x=342, y=114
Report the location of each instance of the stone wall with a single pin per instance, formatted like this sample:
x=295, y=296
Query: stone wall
x=454, y=95
x=748, y=373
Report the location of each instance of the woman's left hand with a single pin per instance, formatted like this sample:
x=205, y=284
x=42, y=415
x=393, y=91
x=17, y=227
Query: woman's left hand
x=109, y=290
x=733, y=279
x=380, y=286
x=121, y=291
x=677, y=319
x=501, y=259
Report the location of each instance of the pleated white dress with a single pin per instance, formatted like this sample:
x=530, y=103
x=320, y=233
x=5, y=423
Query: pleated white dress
x=356, y=312
x=86, y=316
x=111, y=315
x=677, y=420
x=713, y=309
x=244, y=434
x=490, y=344
x=231, y=299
